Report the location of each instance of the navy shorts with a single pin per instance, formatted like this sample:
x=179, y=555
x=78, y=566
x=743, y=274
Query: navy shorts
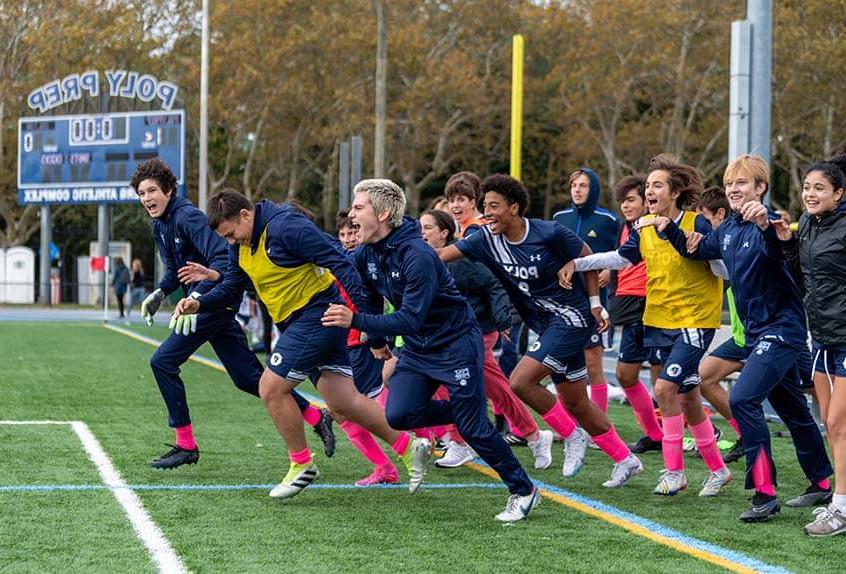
x=730, y=351
x=632, y=349
x=829, y=360
x=681, y=351
x=306, y=348
x=561, y=349
x=595, y=340
x=367, y=371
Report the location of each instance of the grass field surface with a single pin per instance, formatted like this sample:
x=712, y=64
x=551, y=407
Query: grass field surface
x=60, y=514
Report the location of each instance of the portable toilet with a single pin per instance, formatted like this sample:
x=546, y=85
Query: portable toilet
x=20, y=275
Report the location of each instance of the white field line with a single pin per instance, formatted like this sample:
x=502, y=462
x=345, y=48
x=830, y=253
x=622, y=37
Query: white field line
x=161, y=552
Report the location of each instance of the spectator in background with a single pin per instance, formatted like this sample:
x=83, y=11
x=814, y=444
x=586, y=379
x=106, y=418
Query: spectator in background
x=120, y=283
x=440, y=203
x=346, y=230
x=599, y=228
x=464, y=192
x=138, y=291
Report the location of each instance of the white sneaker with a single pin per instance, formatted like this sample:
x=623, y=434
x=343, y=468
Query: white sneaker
x=828, y=521
x=623, y=471
x=542, y=449
x=518, y=507
x=715, y=481
x=456, y=455
x=574, y=452
x=672, y=482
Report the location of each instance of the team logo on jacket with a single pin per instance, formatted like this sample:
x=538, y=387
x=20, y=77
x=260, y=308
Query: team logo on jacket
x=276, y=359
x=591, y=233
x=726, y=241
x=371, y=269
x=674, y=370
x=395, y=275
x=461, y=376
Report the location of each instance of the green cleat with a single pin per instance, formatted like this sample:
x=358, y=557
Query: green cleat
x=298, y=478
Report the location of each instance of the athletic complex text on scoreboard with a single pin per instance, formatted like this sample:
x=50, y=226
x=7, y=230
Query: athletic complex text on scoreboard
x=91, y=158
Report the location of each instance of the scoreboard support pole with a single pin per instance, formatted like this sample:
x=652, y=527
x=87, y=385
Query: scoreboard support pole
x=103, y=245
x=44, y=257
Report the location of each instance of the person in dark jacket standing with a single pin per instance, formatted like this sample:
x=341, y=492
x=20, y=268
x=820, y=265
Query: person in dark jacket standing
x=120, y=283
x=492, y=309
x=443, y=343
x=769, y=304
x=183, y=235
x=819, y=251
x=599, y=228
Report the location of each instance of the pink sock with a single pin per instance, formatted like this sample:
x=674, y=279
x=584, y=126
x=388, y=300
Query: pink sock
x=185, y=438
x=382, y=398
x=612, y=444
x=703, y=435
x=401, y=444
x=735, y=426
x=824, y=484
x=300, y=456
x=559, y=420
x=364, y=442
x=442, y=430
x=672, y=442
x=312, y=415
x=762, y=474
x=599, y=396
x=641, y=403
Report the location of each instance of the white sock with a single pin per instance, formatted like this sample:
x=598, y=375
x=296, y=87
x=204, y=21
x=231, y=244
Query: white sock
x=838, y=501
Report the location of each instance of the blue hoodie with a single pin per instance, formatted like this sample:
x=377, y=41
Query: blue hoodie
x=292, y=240
x=766, y=296
x=405, y=270
x=597, y=227
x=182, y=234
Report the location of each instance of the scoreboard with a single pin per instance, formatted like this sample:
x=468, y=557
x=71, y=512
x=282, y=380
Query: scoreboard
x=91, y=158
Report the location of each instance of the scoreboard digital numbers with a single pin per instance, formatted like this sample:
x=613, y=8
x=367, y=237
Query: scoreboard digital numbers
x=91, y=158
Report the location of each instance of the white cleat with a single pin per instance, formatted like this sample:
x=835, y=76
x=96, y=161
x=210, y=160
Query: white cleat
x=298, y=478
x=714, y=482
x=542, y=449
x=672, y=482
x=456, y=455
x=623, y=471
x=575, y=446
x=418, y=456
x=518, y=507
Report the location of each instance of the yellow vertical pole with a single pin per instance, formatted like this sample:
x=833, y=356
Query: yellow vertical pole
x=516, y=105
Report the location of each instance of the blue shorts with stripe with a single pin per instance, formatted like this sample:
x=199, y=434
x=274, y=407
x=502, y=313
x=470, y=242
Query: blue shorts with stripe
x=561, y=349
x=681, y=351
x=829, y=360
x=367, y=371
x=632, y=348
x=306, y=348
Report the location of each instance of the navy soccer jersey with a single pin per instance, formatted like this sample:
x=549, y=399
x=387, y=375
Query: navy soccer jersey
x=528, y=270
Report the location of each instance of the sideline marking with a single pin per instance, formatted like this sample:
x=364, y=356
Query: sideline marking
x=654, y=531
x=151, y=536
x=220, y=487
x=724, y=557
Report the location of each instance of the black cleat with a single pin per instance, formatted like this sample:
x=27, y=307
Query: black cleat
x=813, y=496
x=176, y=456
x=645, y=444
x=735, y=453
x=763, y=508
x=324, y=430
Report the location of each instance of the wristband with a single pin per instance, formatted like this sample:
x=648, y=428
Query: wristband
x=595, y=301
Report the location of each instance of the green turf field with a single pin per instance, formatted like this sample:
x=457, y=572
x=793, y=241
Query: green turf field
x=58, y=516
